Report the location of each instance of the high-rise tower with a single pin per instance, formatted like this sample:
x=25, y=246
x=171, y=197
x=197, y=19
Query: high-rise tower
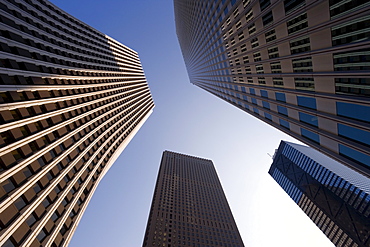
x=189, y=206
x=71, y=98
x=301, y=66
x=335, y=197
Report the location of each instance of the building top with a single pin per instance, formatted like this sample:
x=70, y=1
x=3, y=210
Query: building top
x=339, y=169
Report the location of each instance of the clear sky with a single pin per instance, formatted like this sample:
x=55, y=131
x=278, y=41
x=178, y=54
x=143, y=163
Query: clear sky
x=188, y=120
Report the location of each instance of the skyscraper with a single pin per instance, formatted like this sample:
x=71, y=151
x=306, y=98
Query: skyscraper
x=335, y=197
x=71, y=99
x=301, y=66
x=189, y=207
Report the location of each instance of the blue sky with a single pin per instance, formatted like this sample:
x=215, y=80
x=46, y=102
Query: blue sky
x=188, y=120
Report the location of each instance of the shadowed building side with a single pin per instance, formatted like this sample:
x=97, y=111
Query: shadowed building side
x=189, y=207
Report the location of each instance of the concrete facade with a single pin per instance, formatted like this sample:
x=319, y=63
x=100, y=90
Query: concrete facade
x=71, y=99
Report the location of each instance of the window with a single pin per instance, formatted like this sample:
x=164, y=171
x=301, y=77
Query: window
x=280, y=97
x=310, y=135
x=270, y=35
x=255, y=110
x=353, y=60
x=354, y=155
x=278, y=81
x=290, y=5
x=267, y=18
x=257, y=56
x=352, y=31
x=300, y=45
x=282, y=110
x=252, y=91
x=354, y=134
x=245, y=59
x=302, y=64
x=304, y=83
x=259, y=68
x=308, y=119
x=266, y=105
x=308, y=102
x=297, y=24
x=359, y=112
x=264, y=4
x=353, y=86
x=251, y=29
x=339, y=8
x=284, y=123
x=254, y=42
x=264, y=94
x=249, y=15
x=275, y=68
x=268, y=116
x=273, y=52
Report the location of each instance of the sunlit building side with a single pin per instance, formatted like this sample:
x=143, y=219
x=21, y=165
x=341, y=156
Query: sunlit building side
x=71, y=99
x=301, y=66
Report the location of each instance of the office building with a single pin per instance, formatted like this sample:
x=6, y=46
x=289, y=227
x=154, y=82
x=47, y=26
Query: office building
x=189, y=207
x=335, y=197
x=301, y=66
x=71, y=98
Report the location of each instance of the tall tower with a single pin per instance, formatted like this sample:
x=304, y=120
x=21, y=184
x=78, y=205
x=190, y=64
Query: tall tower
x=189, y=206
x=301, y=66
x=335, y=197
x=71, y=99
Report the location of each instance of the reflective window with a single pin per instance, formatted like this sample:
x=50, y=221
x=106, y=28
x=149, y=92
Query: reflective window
x=254, y=101
x=354, y=134
x=268, y=116
x=266, y=104
x=284, y=123
x=282, y=110
x=310, y=135
x=359, y=112
x=306, y=102
x=308, y=119
x=264, y=93
x=255, y=110
x=280, y=97
x=252, y=91
x=354, y=155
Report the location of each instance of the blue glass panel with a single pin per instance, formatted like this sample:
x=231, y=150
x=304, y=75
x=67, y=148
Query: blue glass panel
x=280, y=97
x=255, y=110
x=264, y=93
x=254, y=101
x=266, y=104
x=233, y=2
x=310, y=135
x=359, y=112
x=252, y=91
x=284, y=123
x=283, y=110
x=309, y=119
x=306, y=102
x=354, y=155
x=354, y=133
x=268, y=116
x=243, y=90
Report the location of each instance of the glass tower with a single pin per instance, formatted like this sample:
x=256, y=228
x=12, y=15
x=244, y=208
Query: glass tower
x=335, y=197
x=189, y=207
x=301, y=66
x=71, y=99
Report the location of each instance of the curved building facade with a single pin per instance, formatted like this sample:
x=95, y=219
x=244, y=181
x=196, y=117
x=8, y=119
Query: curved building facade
x=301, y=66
x=71, y=98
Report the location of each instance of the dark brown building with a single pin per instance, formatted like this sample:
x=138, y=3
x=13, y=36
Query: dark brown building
x=189, y=207
x=71, y=99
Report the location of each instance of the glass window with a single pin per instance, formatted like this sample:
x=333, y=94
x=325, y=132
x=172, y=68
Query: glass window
x=310, y=135
x=266, y=104
x=308, y=119
x=255, y=110
x=306, y=102
x=254, y=101
x=354, y=134
x=280, y=97
x=354, y=155
x=264, y=93
x=268, y=116
x=359, y=112
x=284, y=123
x=283, y=110
x=252, y=91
